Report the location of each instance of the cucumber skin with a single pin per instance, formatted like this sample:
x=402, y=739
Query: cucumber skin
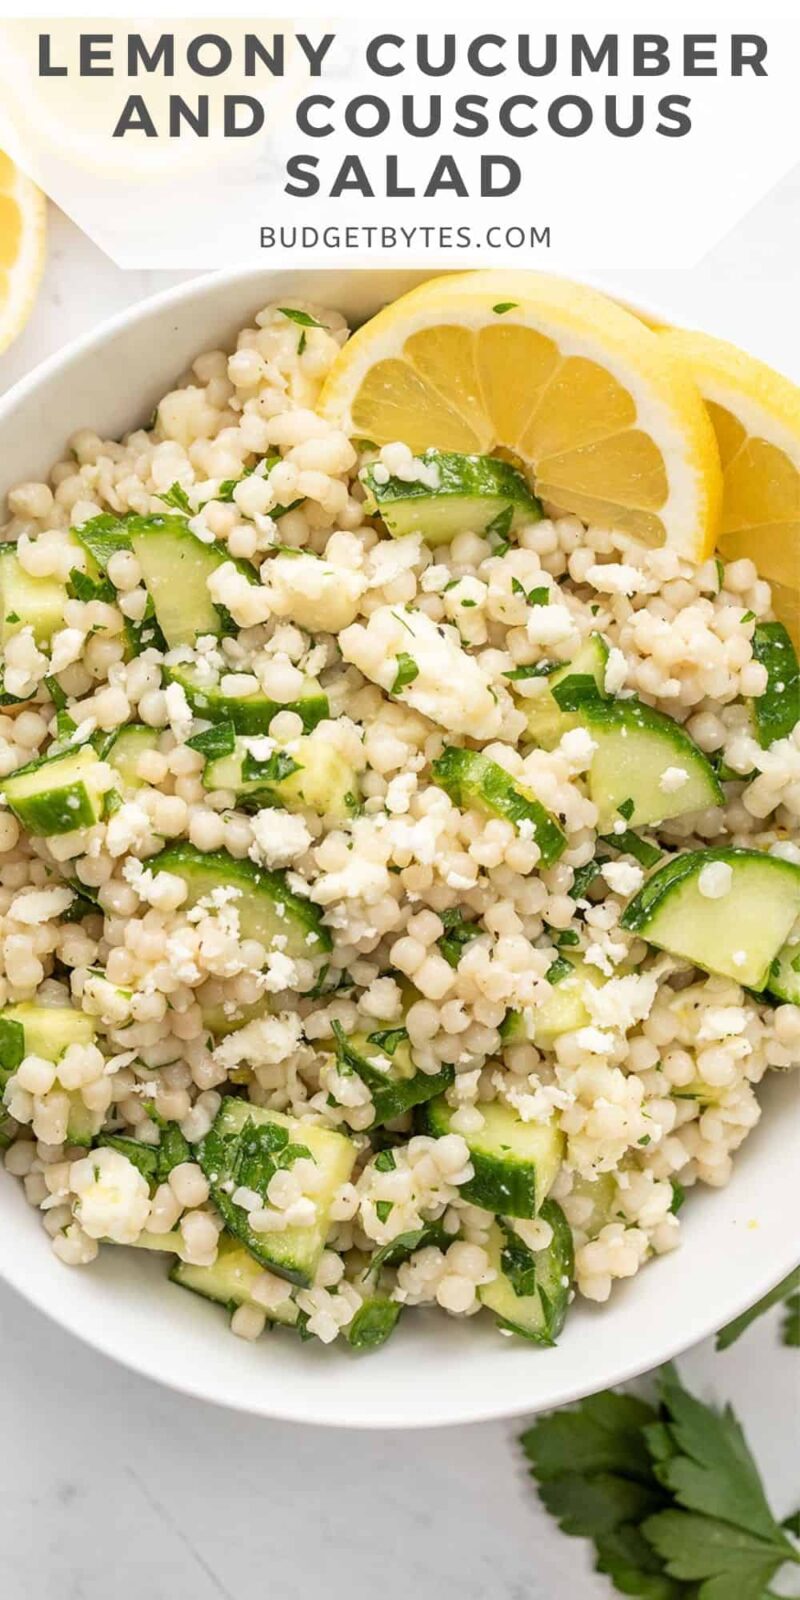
x=560, y=1257
x=184, y=860
x=775, y=712
x=252, y=715
x=784, y=980
x=638, y=913
x=474, y=779
x=392, y=1097
x=634, y=716
x=645, y=906
x=508, y=1187
x=264, y=1248
x=462, y=479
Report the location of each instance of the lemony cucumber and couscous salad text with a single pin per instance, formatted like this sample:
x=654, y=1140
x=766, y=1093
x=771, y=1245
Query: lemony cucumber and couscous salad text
x=399, y=872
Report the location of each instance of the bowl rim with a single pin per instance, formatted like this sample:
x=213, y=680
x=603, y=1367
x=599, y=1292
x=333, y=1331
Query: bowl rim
x=76, y=1323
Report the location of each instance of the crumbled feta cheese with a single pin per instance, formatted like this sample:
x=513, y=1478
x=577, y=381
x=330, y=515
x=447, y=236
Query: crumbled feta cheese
x=720, y=1022
x=616, y=671
x=672, y=779
x=595, y=1041
x=623, y=877
x=128, y=829
x=358, y=880
x=278, y=837
x=549, y=625
x=621, y=1002
x=715, y=880
x=261, y=1043
x=280, y=973
x=113, y=1198
x=316, y=594
x=578, y=746
x=615, y=577
x=179, y=711
x=450, y=687
x=34, y=906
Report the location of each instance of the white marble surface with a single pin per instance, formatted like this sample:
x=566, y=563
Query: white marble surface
x=112, y=1486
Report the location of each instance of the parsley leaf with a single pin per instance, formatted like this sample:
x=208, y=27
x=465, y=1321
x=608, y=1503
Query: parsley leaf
x=782, y=1291
x=671, y=1499
x=629, y=844
x=407, y=671
x=388, y=1039
x=497, y=531
x=627, y=809
x=218, y=740
x=82, y=587
x=503, y=306
x=177, y=497
x=534, y=669
x=790, y=1325
x=278, y=766
x=457, y=933
x=558, y=970
x=721, y=1531
x=302, y=318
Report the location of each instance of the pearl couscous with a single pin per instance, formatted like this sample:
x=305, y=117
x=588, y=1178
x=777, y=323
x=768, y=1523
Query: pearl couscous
x=329, y=963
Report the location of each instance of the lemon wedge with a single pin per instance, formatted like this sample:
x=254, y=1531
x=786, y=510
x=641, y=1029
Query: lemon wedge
x=755, y=413
x=553, y=375
x=22, y=228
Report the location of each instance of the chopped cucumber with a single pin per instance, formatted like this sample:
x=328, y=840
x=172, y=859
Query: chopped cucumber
x=176, y=567
x=472, y=779
x=597, y=1196
x=45, y=1031
x=475, y=494
x=56, y=795
x=776, y=711
x=515, y=1162
x=244, y=1148
x=530, y=1295
x=397, y=1085
x=636, y=748
x=125, y=748
x=267, y=907
x=784, y=974
x=226, y=1016
x=230, y=1281
x=547, y=721
x=563, y=1011
x=28, y=602
x=251, y=713
x=316, y=775
x=737, y=933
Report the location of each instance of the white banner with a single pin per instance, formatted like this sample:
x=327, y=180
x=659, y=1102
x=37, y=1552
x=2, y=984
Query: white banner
x=200, y=143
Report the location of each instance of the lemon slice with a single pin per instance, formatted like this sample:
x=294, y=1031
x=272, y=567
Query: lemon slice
x=556, y=376
x=22, y=225
x=756, y=417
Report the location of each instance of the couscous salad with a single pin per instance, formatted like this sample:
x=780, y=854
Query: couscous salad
x=400, y=786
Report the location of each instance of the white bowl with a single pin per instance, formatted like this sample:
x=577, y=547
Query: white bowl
x=737, y=1242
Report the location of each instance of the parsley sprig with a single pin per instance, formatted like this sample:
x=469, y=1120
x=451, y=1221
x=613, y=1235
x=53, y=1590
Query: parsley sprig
x=786, y=1293
x=671, y=1497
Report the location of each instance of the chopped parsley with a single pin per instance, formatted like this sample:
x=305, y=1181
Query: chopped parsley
x=302, y=318
x=177, y=497
x=503, y=306
x=498, y=530
x=388, y=1039
x=214, y=742
x=626, y=809
x=407, y=671
x=457, y=933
